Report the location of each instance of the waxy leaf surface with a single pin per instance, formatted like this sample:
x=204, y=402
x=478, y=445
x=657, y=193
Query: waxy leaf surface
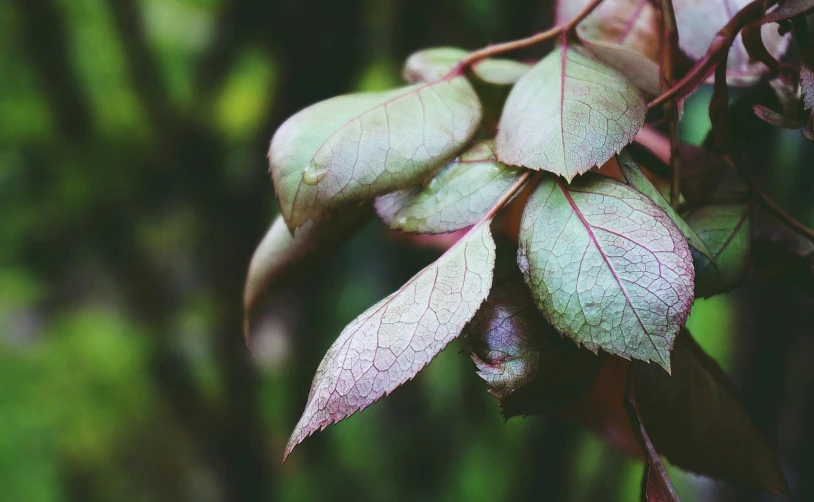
x=695, y=420
x=606, y=266
x=457, y=197
x=700, y=20
x=726, y=230
x=393, y=340
x=431, y=64
x=280, y=254
x=352, y=148
x=807, y=86
x=636, y=178
x=527, y=365
x=630, y=23
x=568, y=114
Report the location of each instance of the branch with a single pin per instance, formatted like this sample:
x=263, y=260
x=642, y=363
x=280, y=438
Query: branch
x=667, y=57
x=716, y=53
x=493, y=50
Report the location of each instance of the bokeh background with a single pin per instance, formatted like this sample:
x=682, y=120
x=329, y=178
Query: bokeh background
x=133, y=189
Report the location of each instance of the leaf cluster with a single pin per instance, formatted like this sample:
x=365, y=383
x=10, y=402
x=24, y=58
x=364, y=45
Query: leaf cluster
x=611, y=253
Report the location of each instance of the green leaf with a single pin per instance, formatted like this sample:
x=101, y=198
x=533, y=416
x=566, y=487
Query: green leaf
x=352, y=148
x=568, y=114
x=695, y=420
x=727, y=230
x=393, y=340
x=633, y=24
x=701, y=172
x=637, y=68
x=431, y=64
x=281, y=255
x=457, y=197
x=699, y=22
x=606, y=266
x=636, y=178
x=527, y=365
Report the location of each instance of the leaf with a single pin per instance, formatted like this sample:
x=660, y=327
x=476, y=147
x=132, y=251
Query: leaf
x=783, y=256
x=695, y=420
x=606, y=266
x=788, y=9
x=352, y=148
x=568, y=114
x=431, y=64
x=636, y=178
x=280, y=255
x=656, y=484
x=700, y=20
x=726, y=229
x=457, y=197
x=778, y=119
x=527, y=365
x=637, y=68
x=633, y=24
x=394, y=339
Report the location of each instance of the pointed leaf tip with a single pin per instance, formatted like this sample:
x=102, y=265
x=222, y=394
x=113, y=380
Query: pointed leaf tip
x=606, y=266
x=393, y=340
x=568, y=114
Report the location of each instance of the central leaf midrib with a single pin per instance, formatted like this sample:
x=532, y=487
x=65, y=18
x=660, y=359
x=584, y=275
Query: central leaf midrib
x=604, y=257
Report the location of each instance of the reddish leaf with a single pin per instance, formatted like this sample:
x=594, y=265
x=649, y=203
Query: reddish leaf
x=788, y=9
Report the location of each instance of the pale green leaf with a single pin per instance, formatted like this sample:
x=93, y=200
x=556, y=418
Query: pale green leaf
x=726, y=229
x=568, y=114
x=431, y=64
x=606, y=266
x=393, y=340
x=281, y=254
x=457, y=197
x=636, y=178
x=352, y=148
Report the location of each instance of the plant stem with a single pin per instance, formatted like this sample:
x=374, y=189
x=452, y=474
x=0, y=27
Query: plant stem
x=508, y=194
x=716, y=53
x=667, y=56
x=492, y=50
x=786, y=218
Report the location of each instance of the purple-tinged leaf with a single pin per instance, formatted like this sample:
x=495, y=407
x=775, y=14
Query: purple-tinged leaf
x=527, y=365
x=606, y=266
x=807, y=86
x=778, y=119
x=351, y=148
x=727, y=231
x=701, y=172
x=280, y=254
x=457, y=197
x=568, y=114
x=694, y=419
x=431, y=64
x=700, y=20
x=394, y=339
x=633, y=24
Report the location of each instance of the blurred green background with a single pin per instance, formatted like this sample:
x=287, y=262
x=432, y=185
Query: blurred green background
x=133, y=189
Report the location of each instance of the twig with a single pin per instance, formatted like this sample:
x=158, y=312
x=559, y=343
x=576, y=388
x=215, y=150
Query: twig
x=783, y=216
x=667, y=56
x=716, y=53
x=507, y=196
x=492, y=50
